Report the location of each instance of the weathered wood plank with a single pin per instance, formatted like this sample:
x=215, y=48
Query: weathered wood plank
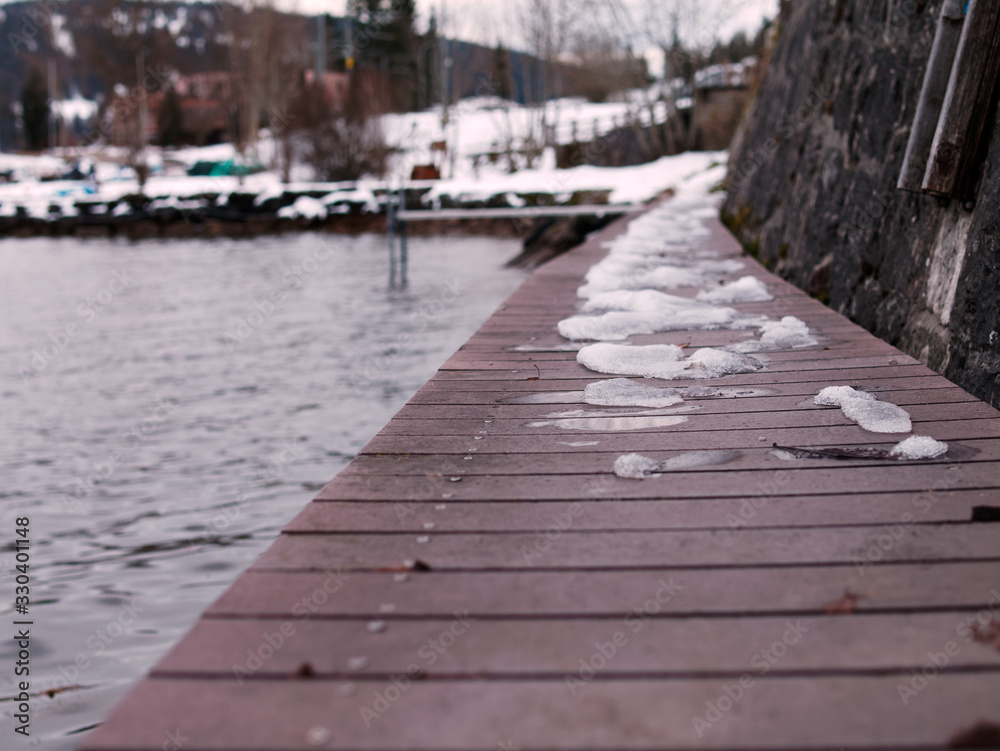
x=692, y=440
x=786, y=590
x=464, y=646
x=706, y=406
x=965, y=111
x=597, y=462
x=424, y=516
x=663, y=549
x=683, y=418
x=604, y=714
x=834, y=373
x=501, y=392
x=779, y=481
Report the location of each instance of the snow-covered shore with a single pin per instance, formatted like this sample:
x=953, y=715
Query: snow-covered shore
x=476, y=131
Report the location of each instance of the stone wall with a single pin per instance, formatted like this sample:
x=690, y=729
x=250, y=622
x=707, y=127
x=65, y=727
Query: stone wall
x=813, y=176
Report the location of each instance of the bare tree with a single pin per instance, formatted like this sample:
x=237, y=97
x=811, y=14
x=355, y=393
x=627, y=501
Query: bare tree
x=547, y=27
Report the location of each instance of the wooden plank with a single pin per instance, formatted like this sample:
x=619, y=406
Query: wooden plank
x=964, y=114
x=705, y=406
x=431, y=516
x=598, y=462
x=834, y=374
x=503, y=391
x=604, y=714
x=682, y=418
x=776, y=396
x=477, y=361
x=958, y=587
x=571, y=369
x=693, y=440
x=777, y=481
x=552, y=648
x=677, y=549
x=515, y=212
x=932, y=94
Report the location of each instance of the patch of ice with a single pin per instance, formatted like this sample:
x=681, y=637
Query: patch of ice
x=785, y=456
x=788, y=333
x=568, y=347
x=866, y=410
x=744, y=289
x=606, y=424
x=640, y=467
x=636, y=466
x=833, y=396
x=622, y=359
x=918, y=447
x=664, y=361
x=640, y=271
x=642, y=312
x=622, y=392
x=624, y=412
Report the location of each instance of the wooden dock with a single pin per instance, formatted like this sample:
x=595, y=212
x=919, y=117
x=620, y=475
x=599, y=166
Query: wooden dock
x=471, y=581
x=515, y=212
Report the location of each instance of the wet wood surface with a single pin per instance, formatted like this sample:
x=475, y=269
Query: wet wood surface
x=479, y=577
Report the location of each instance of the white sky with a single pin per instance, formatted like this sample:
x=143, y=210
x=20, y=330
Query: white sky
x=490, y=21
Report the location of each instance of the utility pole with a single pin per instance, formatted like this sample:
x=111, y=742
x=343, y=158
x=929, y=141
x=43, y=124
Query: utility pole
x=446, y=63
x=52, y=102
x=320, y=48
x=140, y=65
x=349, y=42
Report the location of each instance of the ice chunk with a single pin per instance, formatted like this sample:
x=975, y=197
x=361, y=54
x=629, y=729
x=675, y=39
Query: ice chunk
x=719, y=363
x=834, y=396
x=664, y=361
x=621, y=392
x=642, y=312
x=636, y=466
x=608, y=424
x=621, y=359
x=788, y=333
x=744, y=289
x=637, y=271
x=652, y=301
x=918, y=447
x=866, y=410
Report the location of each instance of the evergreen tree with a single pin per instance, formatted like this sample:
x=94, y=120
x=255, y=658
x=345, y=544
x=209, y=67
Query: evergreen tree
x=502, y=82
x=35, y=110
x=170, y=119
x=387, y=44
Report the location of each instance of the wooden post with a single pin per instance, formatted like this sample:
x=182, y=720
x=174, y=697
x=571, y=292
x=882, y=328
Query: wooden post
x=967, y=102
x=401, y=224
x=918, y=149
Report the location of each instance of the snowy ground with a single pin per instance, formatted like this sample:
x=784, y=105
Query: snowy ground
x=475, y=129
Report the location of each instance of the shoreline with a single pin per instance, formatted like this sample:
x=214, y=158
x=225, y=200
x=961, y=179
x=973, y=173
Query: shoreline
x=139, y=216
x=249, y=225
x=543, y=238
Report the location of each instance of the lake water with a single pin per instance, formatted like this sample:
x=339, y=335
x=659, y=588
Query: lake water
x=169, y=406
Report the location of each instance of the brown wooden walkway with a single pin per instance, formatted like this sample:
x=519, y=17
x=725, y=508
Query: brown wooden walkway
x=437, y=594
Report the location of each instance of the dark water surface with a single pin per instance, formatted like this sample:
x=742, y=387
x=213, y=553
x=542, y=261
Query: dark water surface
x=169, y=406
